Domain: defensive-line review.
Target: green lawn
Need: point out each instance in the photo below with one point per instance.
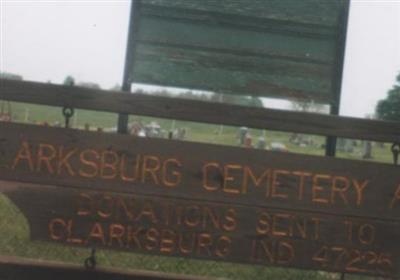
(14, 232)
(197, 132)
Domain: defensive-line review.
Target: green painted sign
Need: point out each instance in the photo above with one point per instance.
(271, 48)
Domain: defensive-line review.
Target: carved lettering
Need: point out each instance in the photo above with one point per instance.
(173, 178)
(46, 153)
(257, 181)
(71, 238)
(133, 237)
(63, 161)
(124, 167)
(117, 232)
(85, 205)
(360, 188)
(302, 181)
(57, 229)
(364, 233)
(24, 153)
(223, 246)
(108, 167)
(272, 252)
(204, 243)
(105, 206)
(215, 170)
(88, 159)
(340, 187)
(276, 183)
(278, 221)
(228, 178)
(151, 165)
(96, 234)
(167, 243)
(230, 222)
(317, 188)
(396, 198)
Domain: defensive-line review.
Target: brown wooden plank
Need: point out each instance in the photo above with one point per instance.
(179, 169)
(189, 110)
(209, 231)
(14, 268)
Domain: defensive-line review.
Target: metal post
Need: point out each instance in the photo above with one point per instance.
(129, 61)
(337, 79)
(396, 152)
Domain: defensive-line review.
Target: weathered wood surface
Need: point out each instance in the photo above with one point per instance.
(250, 48)
(312, 12)
(208, 230)
(207, 112)
(178, 169)
(13, 268)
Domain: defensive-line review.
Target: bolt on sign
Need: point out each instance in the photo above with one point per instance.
(203, 201)
(285, 49)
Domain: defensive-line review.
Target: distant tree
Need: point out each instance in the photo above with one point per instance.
(194, 96)
(309, 106)
(89, 85)
(237, 99)
(10, 76)
(69, 81)
(116, 87)
(255, 102)
(389, 108)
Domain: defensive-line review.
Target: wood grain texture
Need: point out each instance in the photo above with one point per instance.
(206, 112)
(319, 13)
(177, 66)
(208, 231)
(13, 268)
(204, 172)
(211, 29)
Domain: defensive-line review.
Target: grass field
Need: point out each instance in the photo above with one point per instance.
(14, 232)
(197, 132)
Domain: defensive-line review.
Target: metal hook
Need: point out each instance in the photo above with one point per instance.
(68, 112)
(90, 262)
(396, 152)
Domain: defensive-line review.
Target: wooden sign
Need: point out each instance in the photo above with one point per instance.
(121, 163)
(262, 47)
(203, 201)
(208, 230)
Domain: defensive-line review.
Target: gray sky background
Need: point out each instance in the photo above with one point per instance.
(47, 40)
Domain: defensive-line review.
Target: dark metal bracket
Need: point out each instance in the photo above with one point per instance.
(396, 152)
(90, 262)
(68, 112)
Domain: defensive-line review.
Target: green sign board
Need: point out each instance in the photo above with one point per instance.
(271, 48)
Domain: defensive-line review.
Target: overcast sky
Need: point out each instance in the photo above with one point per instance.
(47, 40)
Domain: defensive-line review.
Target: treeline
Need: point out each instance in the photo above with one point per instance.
(211, 97)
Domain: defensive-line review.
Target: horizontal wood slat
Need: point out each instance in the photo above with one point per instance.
(204, 230)
(205, 172)
(199, 111)
(14, 268)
